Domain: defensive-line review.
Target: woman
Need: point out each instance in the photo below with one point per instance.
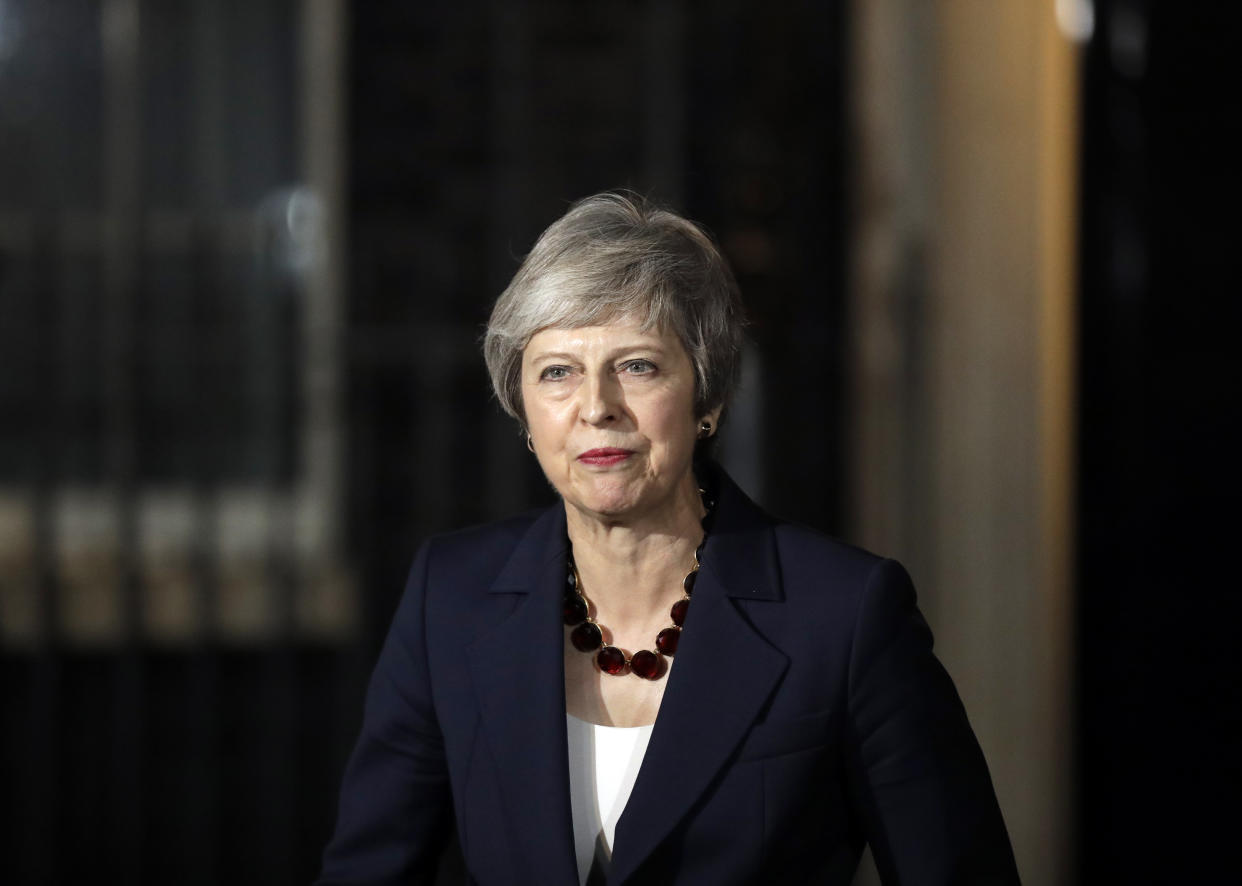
(653, 681)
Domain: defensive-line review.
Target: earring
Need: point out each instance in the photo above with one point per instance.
(530, 444)
(705, 429)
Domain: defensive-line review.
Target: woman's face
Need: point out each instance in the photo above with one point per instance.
(610, 411)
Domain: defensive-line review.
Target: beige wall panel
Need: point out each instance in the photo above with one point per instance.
(962, 390)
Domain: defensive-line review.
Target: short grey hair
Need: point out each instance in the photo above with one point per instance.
(616, 255)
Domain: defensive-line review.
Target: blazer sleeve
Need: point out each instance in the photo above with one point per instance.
(917, 773)
(395, 805)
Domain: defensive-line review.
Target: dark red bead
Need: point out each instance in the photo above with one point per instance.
(679, 612)
(611, 660)
(586, 637)
(666, 641)
(574, 610)
(687, 583)
(647, 664)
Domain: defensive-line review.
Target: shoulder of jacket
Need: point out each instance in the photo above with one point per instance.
(810, 558)
(469, 541)
(462, 563)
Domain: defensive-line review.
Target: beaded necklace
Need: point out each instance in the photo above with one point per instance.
(587, 636)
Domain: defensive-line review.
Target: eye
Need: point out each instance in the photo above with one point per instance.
(638, 367)
(554, 373)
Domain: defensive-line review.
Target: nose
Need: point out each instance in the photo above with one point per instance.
(601, 399)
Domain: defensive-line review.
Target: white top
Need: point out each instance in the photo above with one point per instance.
(603, 764)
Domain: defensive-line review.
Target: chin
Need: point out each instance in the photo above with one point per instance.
(609, 506)
(609, 502)
(614, 494)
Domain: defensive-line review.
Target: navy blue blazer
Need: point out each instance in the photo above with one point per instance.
(805, 716)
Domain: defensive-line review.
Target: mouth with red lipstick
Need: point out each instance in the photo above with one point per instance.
(605, 457)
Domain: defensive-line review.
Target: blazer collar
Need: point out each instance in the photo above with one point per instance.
(544, 543)
(741, 550)
(724, 674)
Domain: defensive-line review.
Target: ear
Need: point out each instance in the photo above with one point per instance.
(712, 418)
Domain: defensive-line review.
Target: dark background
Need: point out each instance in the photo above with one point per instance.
(1159, 700)
(471, 126)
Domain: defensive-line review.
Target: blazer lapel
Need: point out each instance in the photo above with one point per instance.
(517, 669)
(723, 676)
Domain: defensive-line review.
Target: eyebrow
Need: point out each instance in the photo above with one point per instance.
(565, 355)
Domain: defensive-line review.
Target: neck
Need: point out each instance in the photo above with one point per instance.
(632, 570)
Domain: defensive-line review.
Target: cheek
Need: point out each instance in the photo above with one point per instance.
(545, 423)
(676, 431)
